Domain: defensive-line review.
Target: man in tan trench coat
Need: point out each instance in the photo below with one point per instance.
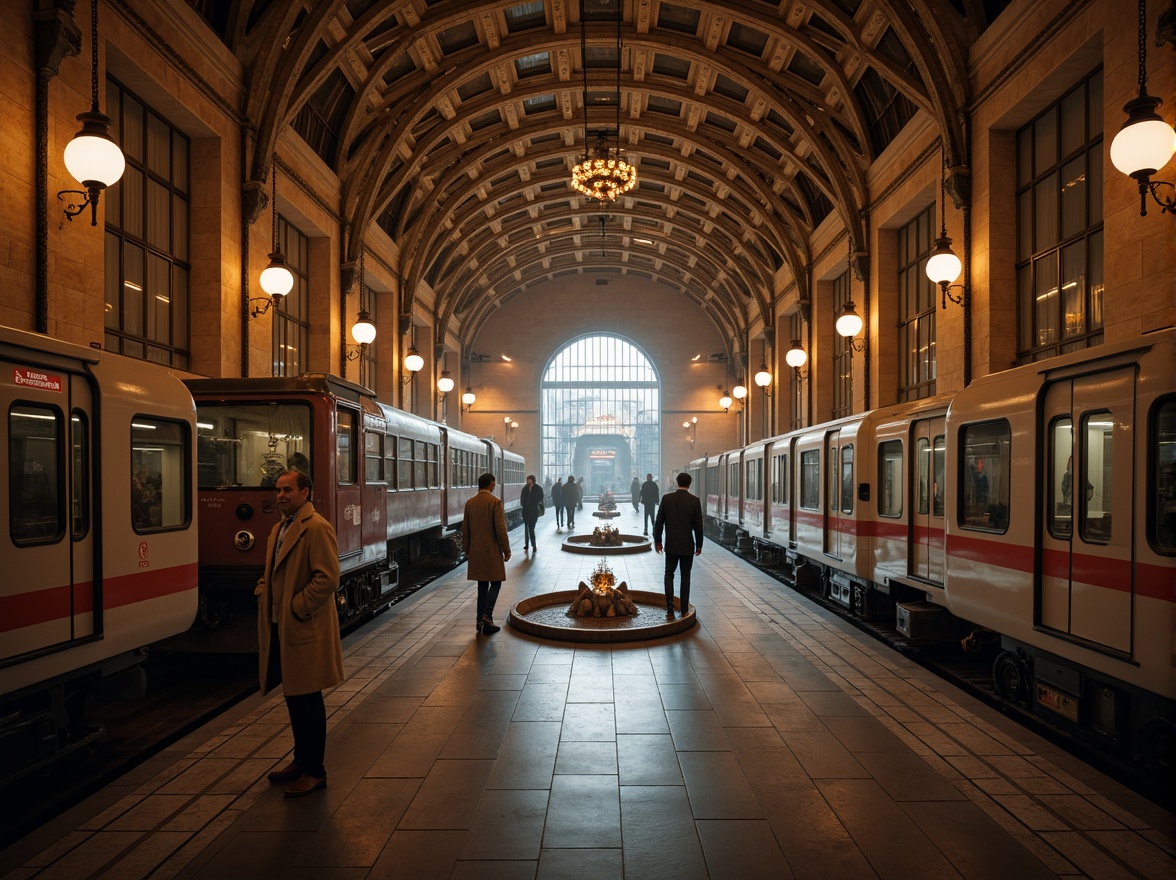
(487, 547)
(298, 627)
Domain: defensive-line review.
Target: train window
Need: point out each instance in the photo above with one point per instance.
(847, 479)
(390, 446)
(34, 474)
(1061, 466)
(1163, 481)
(810, 479)
(404, 468)
(159, 474)
(780, 479)
(250, 444)
(833, 473)
(984, 477)
(79, 443)
(345, 448)
(712, 479)
(373, 442)
(938, 465)
(1098, 473)
(923, 476)
(890, 478)
(434, 477)
(420, 465)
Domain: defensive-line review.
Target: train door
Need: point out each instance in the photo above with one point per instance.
(927, 527)
(1087, 584)
(51, 596)
(348, 503)
(837, 523)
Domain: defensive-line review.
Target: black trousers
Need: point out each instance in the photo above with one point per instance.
(686, 563)
(308, 717)
(529, 531)
(649, 519)
(559, 516)
(487, 596)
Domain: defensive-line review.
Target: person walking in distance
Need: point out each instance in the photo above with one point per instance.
(531, 501)
(635, 492)
(649, 496)
(557, 503)
(571, 500)
(298, 627)
(680, 517)
(487, 548)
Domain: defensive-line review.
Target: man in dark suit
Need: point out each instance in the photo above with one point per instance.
(680, 516)
(649, 494)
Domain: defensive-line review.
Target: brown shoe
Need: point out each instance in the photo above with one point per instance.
(306, 785)
(287, 774)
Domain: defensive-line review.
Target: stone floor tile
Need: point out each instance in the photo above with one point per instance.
(576, 864)
(386, 710)
(409, 755)
(696, 731)
(527, 757)
(591, 687)
(1137, 851)
(448, 796)
(717, 787)
(589, 722)
(150, 813)
(661, 841)
(641, 716)
(350, 836)
(647, 759)
(251, 854)
(1030, 813)
(863, 733)
(508, 825)
(586, 758)
(684, 696)
(742, 850)
(830, 703)
(541, 701)
(907, 777)
(821, 755)
(1079, 812)
(479, 732)
(433, 720)
(1088, 857)
(584, 811)
(894, 845)
(975, 845)
(418, 855)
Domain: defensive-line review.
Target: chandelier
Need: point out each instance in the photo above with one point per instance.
(603, 175)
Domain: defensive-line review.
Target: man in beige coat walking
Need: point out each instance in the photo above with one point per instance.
(487, 549)
(298, 627)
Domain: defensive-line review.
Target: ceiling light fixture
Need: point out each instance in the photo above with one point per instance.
(1145, 143)
(276, 279)
(943, 266)
(603, 175)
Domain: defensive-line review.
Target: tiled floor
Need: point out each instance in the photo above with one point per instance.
(771, 741)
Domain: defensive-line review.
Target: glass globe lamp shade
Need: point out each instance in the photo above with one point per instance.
(445, 383)
(849, 322)
(725, 401)
(363, 331)
(1144, 144)
(739, 392)
(413, 362)
(943, 266)
(276, 279)
(468, 398)
(92, 157)
(762, 377)
(796, 357)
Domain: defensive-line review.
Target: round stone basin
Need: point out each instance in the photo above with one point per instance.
(545, 615)
(630, 544)
(606, 514)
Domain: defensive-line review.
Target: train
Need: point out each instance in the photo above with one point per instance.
(1031, 514)
(139, 503)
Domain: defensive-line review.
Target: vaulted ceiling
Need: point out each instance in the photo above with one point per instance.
(454, 126)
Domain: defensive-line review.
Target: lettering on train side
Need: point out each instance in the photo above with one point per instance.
(35, 379)
(144, 551)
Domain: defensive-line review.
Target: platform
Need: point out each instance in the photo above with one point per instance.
(771, 740)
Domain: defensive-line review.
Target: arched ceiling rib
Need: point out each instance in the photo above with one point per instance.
(454, 124)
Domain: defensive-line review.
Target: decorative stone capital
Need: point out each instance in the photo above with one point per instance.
(254, 200)
(958, 183)
(57, 35)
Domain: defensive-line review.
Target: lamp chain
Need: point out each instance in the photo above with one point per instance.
(584, 68)
(94, 54)
(620, 10)
(274, 203)
(1142, 47)
(362, 284)
(943, 191)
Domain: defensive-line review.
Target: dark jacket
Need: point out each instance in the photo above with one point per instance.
(557, 493)
(571, 494)
(649, 492)
(680, 516)
(635, 490)
(529, 500)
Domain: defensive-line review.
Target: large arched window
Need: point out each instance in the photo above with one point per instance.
(600, 414)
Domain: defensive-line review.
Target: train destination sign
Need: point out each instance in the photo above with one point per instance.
(602, 453)
(36, 379)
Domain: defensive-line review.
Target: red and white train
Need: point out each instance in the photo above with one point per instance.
(1037, 507)
(137, 504)
(393, 484)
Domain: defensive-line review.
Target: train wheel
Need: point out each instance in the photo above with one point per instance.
(1011, 678)
(1155, 745)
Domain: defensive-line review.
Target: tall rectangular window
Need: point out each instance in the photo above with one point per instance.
(795, 383)
(842, 354)
(292, 313)
(916, 310)
(147, 264)
(368, 364)
(1060, 226)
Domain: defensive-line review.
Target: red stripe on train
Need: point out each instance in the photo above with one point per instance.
(52, 603)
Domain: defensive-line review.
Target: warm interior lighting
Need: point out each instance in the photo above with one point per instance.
(363, 331)
(725, 401)
(467, 399)
(796, 357)
(849, 322)
(739, 391)
(445, 383)
(944, 267)
(762, 377)
(413, 362)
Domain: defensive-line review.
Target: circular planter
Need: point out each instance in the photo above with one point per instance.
(582, 544)
(545, 616)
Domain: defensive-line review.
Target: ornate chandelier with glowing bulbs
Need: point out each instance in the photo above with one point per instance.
(604, 175)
